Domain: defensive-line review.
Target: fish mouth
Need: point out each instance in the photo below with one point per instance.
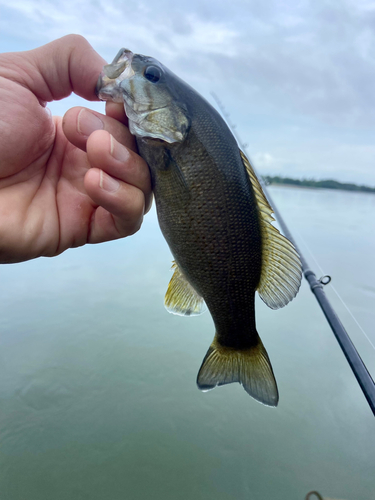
(108, 85)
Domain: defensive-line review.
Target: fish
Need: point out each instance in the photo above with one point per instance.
(213, 214)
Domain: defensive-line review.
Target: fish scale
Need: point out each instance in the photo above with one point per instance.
(214, 217)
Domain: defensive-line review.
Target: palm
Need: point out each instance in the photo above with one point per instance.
(42, 197)
(50, 195)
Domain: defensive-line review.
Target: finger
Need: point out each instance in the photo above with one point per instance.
(109, 155)
(57, 69)
(79, 123)
(116, 110)
(121, 206)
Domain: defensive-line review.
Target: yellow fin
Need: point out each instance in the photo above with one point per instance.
(281, 266)
(181, 298)
(250, 367)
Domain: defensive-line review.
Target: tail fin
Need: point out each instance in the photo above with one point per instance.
(250, 367)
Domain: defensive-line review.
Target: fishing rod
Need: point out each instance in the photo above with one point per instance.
(352, 356)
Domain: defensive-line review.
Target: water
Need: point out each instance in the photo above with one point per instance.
(97, 381)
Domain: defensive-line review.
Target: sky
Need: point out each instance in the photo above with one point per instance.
(296, 77)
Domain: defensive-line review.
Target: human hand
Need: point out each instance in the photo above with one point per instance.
(63, 182)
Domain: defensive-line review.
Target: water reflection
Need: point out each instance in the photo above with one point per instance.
(97, 381)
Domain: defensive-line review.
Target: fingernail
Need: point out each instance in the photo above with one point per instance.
(108, 183)
(118, 151)
(88, 122)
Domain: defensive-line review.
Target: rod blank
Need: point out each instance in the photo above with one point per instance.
(354, 359)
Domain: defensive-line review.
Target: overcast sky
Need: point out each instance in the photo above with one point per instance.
(297, 77)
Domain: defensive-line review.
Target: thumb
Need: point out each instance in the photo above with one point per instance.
(58, 68)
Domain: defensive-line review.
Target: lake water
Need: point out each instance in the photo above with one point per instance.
(97, 381)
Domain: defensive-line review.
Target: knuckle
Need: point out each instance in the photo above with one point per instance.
(132, 216)
(134, 227)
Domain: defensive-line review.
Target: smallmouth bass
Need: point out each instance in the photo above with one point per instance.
(214, 216)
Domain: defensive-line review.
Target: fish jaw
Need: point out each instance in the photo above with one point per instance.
(108, 87)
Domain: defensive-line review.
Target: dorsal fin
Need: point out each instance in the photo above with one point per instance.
(281, 266)
(181, 298)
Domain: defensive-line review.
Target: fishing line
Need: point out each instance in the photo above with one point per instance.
(351, 354)
(310, 252)
(334, 289)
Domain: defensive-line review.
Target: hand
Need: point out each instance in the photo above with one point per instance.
(63, 182)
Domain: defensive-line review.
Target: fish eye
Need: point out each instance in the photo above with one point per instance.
(152, 74)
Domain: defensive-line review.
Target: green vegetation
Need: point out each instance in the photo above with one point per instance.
(327, 184)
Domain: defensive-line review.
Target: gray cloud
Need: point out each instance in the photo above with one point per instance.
(292, 74)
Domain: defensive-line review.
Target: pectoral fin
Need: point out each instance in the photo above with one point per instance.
(171, 173)
(281, 272)
(181, 298)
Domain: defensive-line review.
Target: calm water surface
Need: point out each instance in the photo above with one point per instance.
(97, 381)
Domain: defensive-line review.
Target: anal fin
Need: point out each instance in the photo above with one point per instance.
(181, 298)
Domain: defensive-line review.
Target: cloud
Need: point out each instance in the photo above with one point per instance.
(314, 57)
(264, 160)
(276, 65)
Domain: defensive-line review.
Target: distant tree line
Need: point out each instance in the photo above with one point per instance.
(327, 184)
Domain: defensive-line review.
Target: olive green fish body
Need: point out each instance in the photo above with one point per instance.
(213, 215)
(208, 215)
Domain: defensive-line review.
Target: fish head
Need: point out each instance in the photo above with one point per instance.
(150, 93)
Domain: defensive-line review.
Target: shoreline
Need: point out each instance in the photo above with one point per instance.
(275, 184)
(335, 186)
